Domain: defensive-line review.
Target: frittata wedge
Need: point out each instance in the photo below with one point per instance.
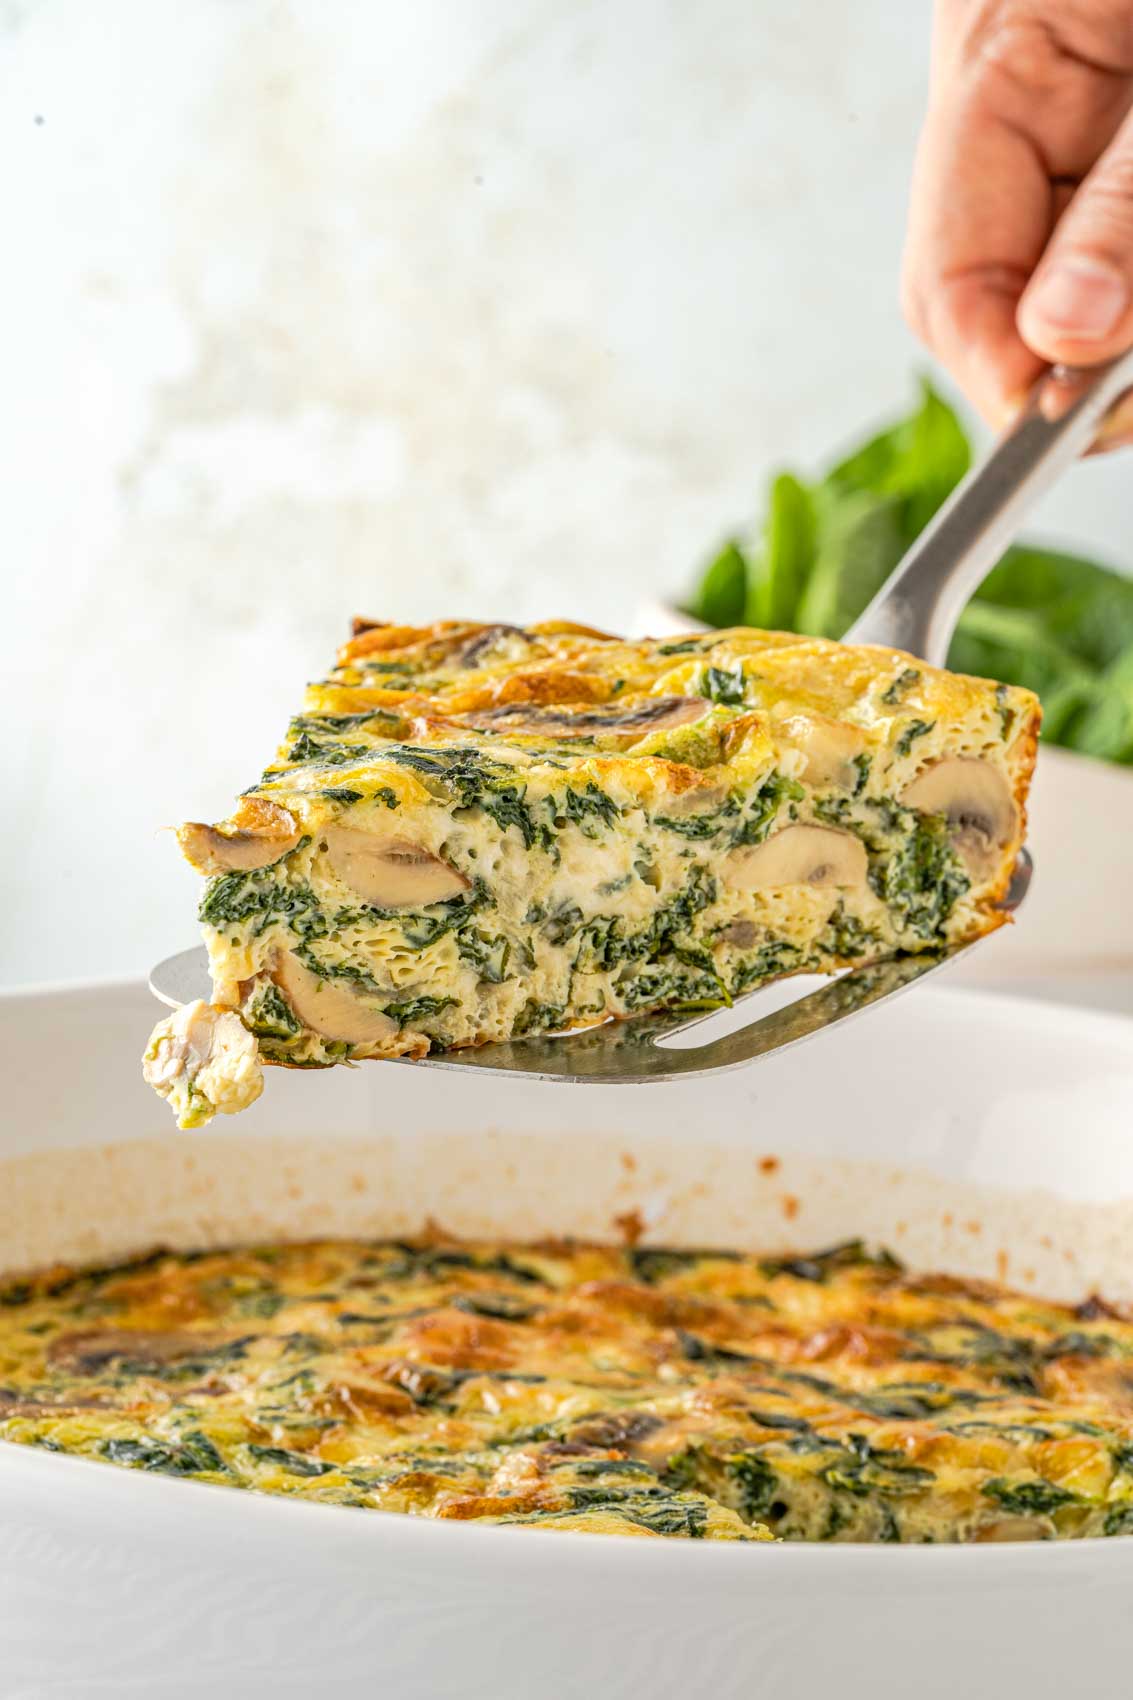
(474, 832)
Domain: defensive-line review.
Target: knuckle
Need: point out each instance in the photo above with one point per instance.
(1017, 53)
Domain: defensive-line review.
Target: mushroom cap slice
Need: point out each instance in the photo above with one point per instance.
(258, 834)
(391, 873)
(975, 798)
(799, 855)
(628, 721)
(328, 1008)
(830, 748)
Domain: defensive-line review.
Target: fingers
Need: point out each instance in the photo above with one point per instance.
(1078, 307)
(1025, 98)
(982, 212)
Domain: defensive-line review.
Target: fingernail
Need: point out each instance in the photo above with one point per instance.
(1079, 298)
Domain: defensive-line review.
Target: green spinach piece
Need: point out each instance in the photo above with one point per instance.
(905, 680)
(295, 1463)
(723, 685)
(1029, 1498)
(590, 809)
(194, 1454)
(922, 880)
(414, 1009)
(916, 729)
(270, 1016)
(232, 899)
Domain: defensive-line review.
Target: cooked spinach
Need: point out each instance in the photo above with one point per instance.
(379, 720)
(232, 899)
(189, 1457)
(905, 680)
(308, 751)
(475, 781)
(590, 809)
(768, 962)
(709, 824)
(846, 935)
(723, 685)
(1029, 1498)
(653, 1263)
(820, 1265)
(537, 1017)
(915, 729)
(295, 1463)
(270, 1016)
(762, 808)
(745, 821)
(490, 954)
(922, 880)
(415, 1009)
(861, 1469)
(756, 1483)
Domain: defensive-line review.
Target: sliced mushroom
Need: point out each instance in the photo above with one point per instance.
(656, 714)
(472, 651)
(258, 834)
(799, 855)
(741, 934)
(831, 749)
(391, 873)
(328, 1008)
(976, 800)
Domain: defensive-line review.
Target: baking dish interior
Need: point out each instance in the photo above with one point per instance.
(981, 1135)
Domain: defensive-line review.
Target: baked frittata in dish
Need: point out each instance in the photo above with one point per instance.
(478, 832)
(643, 1391)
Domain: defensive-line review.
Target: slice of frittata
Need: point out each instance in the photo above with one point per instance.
(474, 832)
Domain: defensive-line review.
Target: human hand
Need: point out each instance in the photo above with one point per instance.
(1020, 242)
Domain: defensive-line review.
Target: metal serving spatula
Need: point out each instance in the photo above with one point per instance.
(917, 611)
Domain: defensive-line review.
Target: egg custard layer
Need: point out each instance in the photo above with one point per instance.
(645, 1391)
(479, 832)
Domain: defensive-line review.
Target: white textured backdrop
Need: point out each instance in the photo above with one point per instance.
(458, 306)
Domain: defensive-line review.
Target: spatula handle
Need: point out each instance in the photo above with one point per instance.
(917, 609)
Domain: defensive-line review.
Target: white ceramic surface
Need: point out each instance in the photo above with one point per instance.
(963, 1130)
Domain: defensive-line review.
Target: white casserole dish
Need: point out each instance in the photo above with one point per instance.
(980, 1134)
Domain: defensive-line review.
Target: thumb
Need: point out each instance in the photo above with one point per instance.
(1078, 307)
